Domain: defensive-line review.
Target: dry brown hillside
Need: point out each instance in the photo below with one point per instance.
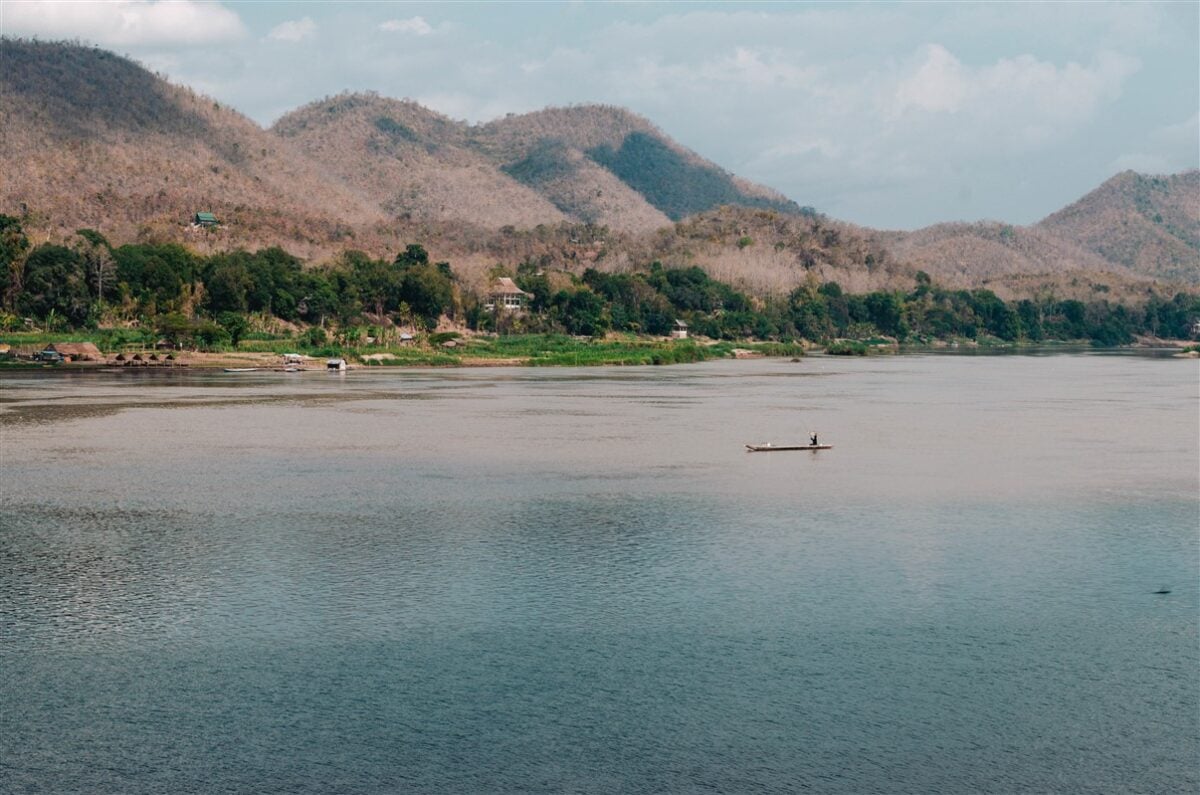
(1149, 224)
(411, 162)
(1132, 228)
(1014, 261)
(962, 252)
(93, 139)
(591, 164)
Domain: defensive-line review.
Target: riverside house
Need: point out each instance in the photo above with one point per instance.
(508, 295)
(680, 330)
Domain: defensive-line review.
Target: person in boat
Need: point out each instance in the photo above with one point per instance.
(813, 438)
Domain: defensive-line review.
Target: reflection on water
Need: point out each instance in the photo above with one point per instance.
(500, 580)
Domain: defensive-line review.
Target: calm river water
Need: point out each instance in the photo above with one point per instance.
(521, 580)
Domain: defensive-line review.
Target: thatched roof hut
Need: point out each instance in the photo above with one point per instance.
(76, 351)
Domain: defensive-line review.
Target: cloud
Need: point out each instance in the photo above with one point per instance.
(126, 23)
(939, 83)
(294, 30)
(1023, 86)
(1167, 149)
(416, 25)
(1183, 135)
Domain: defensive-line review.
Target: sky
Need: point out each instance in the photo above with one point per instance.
(891, 115)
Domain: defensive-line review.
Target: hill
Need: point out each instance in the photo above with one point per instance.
(412, 163)
(104, 143)
(98, 141)
(1148, 224)
(572, 154)
(588, 164)
(1133, 228)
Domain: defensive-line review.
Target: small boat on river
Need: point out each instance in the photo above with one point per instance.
(770, 448)
(241, 369)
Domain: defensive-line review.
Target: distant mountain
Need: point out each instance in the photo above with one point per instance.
(1134, 226)
(590, 164)
(411, 162)
(989, 249)
(106, 143)
(1149, 224)
(94, 140)
(572, 155)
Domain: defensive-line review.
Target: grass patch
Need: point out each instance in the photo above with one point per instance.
(415, 358)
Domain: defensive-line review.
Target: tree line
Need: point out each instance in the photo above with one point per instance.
(88, 283)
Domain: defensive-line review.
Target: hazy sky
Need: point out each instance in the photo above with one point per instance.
(892, 115)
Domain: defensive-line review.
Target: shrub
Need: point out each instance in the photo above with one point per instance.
(315, 337)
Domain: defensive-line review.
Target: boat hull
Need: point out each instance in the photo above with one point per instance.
(771, 448)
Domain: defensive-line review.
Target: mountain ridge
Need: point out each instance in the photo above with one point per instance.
(104, 143)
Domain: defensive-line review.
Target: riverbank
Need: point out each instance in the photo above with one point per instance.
(454, 350)
(436, 351)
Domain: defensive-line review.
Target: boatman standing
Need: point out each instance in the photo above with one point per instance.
(814, 439)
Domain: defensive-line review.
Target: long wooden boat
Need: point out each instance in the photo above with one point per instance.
(241, 369)
(770, 448)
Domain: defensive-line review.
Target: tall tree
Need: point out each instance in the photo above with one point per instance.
(98, 260)
(14, 246)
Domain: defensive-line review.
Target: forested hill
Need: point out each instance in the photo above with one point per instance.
(95, 141)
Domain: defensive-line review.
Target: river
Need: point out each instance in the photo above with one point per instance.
(553, 580)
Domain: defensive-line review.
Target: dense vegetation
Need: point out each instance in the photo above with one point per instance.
(216, 300)
(673, 184)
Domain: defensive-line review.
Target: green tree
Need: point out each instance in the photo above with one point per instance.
(175, 328)
(377, 281)
(412, 256)
(583, 313)
(227, 288)
(235, 326)
(154, 275)
(54, 280)
(14, 246)
(98, 261)
(884, 310)
(428, 291)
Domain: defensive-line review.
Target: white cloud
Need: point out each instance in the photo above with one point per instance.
(125, 23)
(416, 25)
(1022, 88)
(294, 30)
(939, 83)
(1173, 147)
(1185, 135)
